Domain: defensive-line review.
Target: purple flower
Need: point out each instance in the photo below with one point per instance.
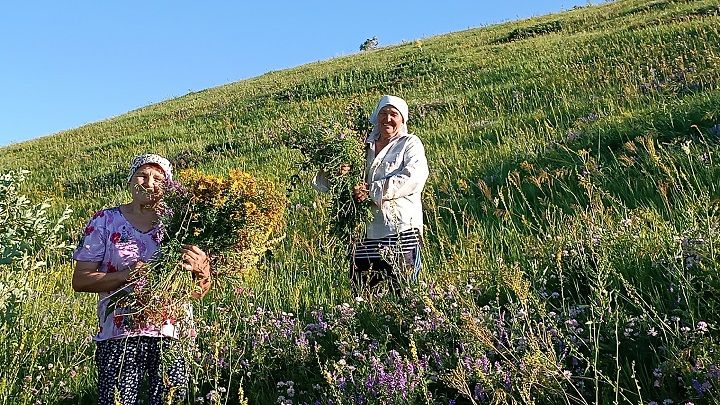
(479, 393)
(715, 130)
(701, 389)
(590, 118)
(485, 364)
(573, 134)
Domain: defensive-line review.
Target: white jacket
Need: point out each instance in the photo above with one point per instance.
(396, 177)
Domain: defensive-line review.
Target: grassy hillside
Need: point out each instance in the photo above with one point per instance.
(571, 221)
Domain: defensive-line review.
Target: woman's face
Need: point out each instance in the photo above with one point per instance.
(147, 184)
(389, 120)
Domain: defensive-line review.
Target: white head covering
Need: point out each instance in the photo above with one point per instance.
(150, 158)
(396, 102)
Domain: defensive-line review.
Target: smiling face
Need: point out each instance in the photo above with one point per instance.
(147, 184)
(389, 121)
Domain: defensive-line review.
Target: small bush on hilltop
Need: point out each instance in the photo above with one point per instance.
(369, 44)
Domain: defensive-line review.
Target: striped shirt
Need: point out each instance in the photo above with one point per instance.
(402, 243)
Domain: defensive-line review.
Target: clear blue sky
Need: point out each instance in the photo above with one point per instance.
(67, 63)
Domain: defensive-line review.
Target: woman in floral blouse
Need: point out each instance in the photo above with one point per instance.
(116, 244)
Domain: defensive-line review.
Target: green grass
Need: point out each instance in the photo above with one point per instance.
(544, 137)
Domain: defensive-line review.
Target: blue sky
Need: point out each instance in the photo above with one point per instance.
(67, 63)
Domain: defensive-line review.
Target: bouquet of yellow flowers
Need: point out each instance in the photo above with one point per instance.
(231, 218)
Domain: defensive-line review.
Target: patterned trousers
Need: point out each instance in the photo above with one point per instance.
(123, 365)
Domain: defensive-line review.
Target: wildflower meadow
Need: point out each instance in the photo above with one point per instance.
(572, 216)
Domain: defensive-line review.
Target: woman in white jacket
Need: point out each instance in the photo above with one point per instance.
(396, 171)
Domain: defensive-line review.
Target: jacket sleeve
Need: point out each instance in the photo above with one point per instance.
(321, 182)
(410, 179)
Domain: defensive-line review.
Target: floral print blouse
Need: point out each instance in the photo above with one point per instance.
(110, 239)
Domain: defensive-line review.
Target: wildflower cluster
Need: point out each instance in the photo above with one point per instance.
(337, 155)
(433, 344)
(230, 217)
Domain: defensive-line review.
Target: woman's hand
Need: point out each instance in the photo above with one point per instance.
(138, 270)
(360, 192)
(196, 261)
(344, 169)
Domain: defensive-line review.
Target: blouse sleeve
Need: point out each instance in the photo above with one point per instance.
(92, 243)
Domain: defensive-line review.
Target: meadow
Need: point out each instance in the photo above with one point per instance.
(571, 217)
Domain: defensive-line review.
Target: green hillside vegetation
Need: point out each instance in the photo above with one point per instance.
(571, 224)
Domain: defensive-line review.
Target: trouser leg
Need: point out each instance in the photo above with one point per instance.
(120, 371)
(167, 373)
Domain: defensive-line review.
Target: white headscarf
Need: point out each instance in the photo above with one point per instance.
(396, 102)
(148, 159)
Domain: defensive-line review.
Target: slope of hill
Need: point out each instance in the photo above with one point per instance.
(573, 189)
